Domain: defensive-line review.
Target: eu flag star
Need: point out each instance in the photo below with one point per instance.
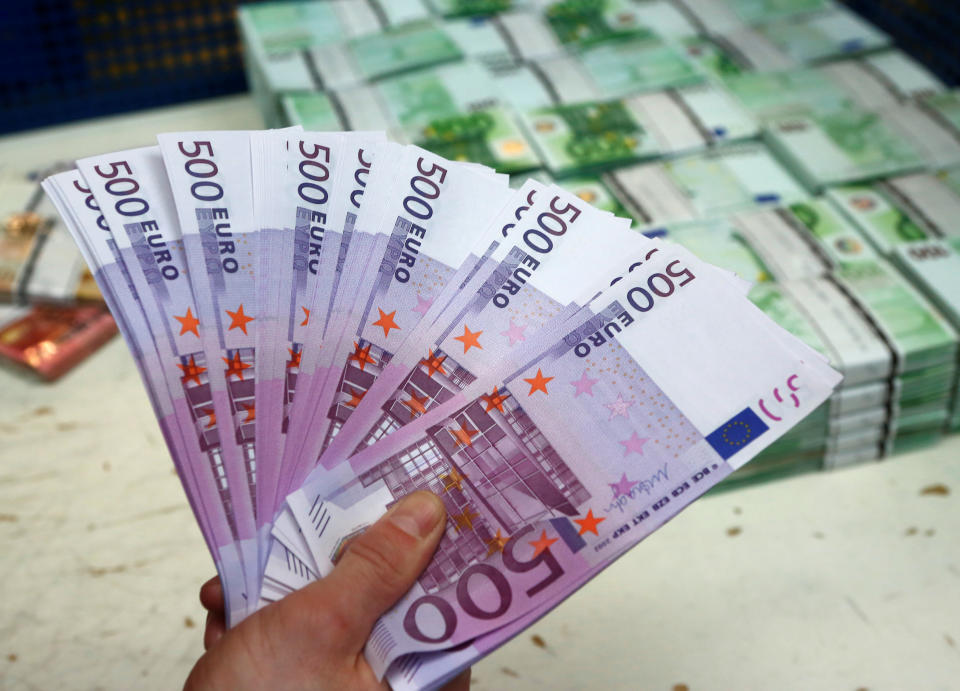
(188, 323)
(470, 339)
(235, 365)
(542, 544)
(589, 523)
(584, 385)
(634, 444)
(623, 486)
(464, 521)
(238, 320)
(538, 383)
(495, 400)
(191, 371)
(619, 407)
(423, 305)
(355, 397)
(453, 479)
(515, 333)
(361, 356)
(294, 360)
(497, 543)
(464, 435)
(251, 409)
(434, 364)
(211, 414)
(306, 317)
(386, 322)
(416, 404)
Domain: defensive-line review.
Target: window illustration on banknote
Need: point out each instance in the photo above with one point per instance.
(435, 380)
(494, 470)
(196, 388)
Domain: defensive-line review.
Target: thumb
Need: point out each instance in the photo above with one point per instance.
(382, 564)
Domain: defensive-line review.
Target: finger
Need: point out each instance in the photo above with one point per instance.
(461, 682)
(211, 595)
(216, 626)
(378, 568)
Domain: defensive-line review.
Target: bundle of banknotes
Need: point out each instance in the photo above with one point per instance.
(326, 322)
(845, 272)
(678, 112)
(49, 339)
(512, 84)
(38, 260)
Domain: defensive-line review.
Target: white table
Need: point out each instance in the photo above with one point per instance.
(839, 580)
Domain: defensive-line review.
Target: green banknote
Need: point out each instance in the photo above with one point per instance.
(417, 98)
(279, 27)
(474, 8)
(337, 64)
(945, 106)
(884, 216)
(420, 97)
(934, 267)
(665, 19)
(616, 70)
(715, 57)
(920, 335)
(591, 189)
(488, 135)
(584, 23)
(719, 242)
(763, 11)
(459, 112)
(558, 28)
(628, 67)
(311, 110)
(903, 209)
(704, 185)
(585, 136)
(823, 35)
(771, 95)
(297, 46)
(714, 17)
(452, 110)
(882, 80)
(600, 134)
(844, 146)
(407, 48)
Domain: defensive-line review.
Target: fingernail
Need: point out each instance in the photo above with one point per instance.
(417, 514)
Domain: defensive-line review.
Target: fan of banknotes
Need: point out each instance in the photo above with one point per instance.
(325, 322)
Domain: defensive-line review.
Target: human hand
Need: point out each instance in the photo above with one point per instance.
(314, 638)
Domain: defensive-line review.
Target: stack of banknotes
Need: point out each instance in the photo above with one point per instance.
(625, 80)
(39, 262)
(325, 322)
(710, 113)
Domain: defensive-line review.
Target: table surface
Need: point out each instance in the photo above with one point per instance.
(842, 580)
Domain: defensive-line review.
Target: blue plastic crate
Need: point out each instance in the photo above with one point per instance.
(926, 29)
(70, 59)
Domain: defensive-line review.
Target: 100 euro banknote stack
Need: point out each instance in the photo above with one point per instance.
(326, 322)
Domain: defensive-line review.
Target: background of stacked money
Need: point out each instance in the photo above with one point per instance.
(787, 140)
